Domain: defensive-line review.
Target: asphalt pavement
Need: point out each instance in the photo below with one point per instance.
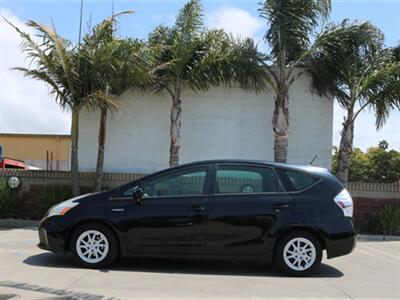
(26, 272)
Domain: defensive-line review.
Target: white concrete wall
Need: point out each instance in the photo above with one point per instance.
(57, 165)
(221, 123)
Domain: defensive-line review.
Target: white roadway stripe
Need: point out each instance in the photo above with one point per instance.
(375, 256)
(24, 251)
(379, 251)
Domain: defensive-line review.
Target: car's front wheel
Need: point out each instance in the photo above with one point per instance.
(94, 245)
(298, 253)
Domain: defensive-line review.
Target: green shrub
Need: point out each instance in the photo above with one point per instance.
(377, 164)
(10, 201)
(50, 195)
(386, 220)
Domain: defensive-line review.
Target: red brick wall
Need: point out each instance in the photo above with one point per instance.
(364, 208)
(31, 203)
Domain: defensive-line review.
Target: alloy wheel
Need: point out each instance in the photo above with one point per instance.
(299, 254)
(92, 246)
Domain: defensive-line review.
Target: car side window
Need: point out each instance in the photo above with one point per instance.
(189, 182)
(300, 180)
(231, 179)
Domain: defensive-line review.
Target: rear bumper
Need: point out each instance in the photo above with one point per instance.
(52, 235)
(338, 244)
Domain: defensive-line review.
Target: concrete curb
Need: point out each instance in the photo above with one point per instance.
(377, 237)
(16, 223)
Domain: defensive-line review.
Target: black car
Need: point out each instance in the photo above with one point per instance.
(226, 209)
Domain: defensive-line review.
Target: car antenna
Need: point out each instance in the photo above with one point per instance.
(315, 157)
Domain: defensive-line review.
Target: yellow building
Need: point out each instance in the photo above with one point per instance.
(43, 151)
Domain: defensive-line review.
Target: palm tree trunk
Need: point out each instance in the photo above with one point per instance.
(175, 130)
(74, 152)
(280, 119)
(345, 148)
(100, 152)
(280, 123)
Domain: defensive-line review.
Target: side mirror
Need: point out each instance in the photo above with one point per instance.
(138, 194)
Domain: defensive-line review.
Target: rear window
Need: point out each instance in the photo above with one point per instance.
(300, 180)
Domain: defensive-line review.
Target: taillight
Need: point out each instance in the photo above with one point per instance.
(345, 202)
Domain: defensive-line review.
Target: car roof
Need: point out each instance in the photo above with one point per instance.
(322, 172)
(299, 167)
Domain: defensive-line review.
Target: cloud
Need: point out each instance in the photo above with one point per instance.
(365, 133)
(25, 104)
(237, 21)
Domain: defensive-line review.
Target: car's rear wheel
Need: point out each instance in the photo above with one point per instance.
(94, 245)
(298, 253)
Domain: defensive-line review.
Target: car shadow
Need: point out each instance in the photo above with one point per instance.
(181, 266)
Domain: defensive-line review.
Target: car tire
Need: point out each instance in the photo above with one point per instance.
(94, 246)
(298, 253)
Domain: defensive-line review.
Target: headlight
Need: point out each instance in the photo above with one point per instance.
(62, 208)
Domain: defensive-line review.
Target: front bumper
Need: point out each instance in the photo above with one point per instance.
(52, 234)
(43, 240)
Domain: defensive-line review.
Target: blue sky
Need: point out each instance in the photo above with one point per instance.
(238, 17)
(148, 14)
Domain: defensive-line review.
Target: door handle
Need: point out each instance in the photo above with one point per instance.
(197, 209)
(184, 224)
(281, 206)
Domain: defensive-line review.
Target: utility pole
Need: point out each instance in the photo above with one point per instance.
(80, 25)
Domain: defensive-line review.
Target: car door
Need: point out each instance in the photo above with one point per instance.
(170, 219)
(247, 203)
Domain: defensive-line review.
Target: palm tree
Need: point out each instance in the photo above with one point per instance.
(294, 46)
(188, 56)
(291, 24)
(367, 77)
(120, 65)
(65, 69)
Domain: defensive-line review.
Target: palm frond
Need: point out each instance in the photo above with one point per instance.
(115, 64)
(348, 60)
(100, 99)
(105, 30)
(381, 90)
(160, 36)
(291, 22)
(208, 58)
(64, 58)
(52, 61)
(34, 50)
(229, 61)
(335, 55)
(190, 19)
(57, 90)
